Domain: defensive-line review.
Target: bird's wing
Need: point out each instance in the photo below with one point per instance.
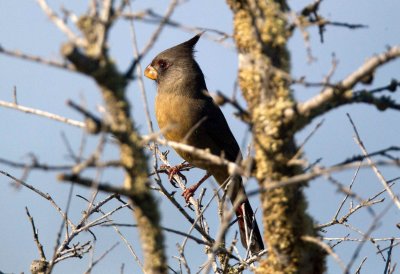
(219, 133)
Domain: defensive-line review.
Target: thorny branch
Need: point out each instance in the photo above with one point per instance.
(82, 59)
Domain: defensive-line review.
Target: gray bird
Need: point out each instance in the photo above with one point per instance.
(186, 113)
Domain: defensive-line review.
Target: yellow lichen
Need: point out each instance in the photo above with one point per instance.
(261, 36)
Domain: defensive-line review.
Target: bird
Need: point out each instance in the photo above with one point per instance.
(186, 113)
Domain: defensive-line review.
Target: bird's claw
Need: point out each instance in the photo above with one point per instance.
(188, 193)
(175, 170)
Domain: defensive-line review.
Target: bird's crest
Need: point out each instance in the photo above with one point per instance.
(189, 44)
(186, 48)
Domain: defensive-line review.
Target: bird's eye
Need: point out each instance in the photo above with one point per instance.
(162, 64)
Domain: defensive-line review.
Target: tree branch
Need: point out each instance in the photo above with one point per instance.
(97, 64)
(36, 59)
(42, 113)
(61, 24)
(385, 184)
(341, 93)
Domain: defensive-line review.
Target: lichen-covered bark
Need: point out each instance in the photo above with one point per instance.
(261, 36)
(96, 63)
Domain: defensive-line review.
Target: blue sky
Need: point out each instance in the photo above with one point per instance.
(24, 26)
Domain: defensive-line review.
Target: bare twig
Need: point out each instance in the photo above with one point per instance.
(347, 195)
(61, 24)
(40, 193)
(115, 227)
(389, 258)
(327, 249)
(381, 152)
(366, 236)
(152, 40)
(370, 239)
(103, 28)
(139, 72)
(42, 113)
(373, 166)
(36, 236)
(177, 232)
(165, 18)
(298, 22)
(91, 183)
(15, 95)
(315, 173)
(182, 186)
(220, 99)
(309, 16)
(300, 150)
(245, 263)
(102, 256)
(156, 18)
(36, 59)
(233, 168)
(358, 271)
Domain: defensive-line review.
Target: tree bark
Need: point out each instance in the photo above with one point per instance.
(94, 62)
(261, 35)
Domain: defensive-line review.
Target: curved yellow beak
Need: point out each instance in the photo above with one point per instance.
(151, 72)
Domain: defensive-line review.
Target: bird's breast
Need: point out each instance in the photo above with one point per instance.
(176, 116)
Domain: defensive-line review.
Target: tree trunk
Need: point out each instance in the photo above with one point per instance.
(261, 35)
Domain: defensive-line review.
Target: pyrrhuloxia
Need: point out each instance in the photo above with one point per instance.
(187, 113)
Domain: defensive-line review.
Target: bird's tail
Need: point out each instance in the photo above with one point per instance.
(249, 232)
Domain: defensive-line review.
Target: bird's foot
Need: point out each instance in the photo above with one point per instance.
(189, 192)
(175, 170)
